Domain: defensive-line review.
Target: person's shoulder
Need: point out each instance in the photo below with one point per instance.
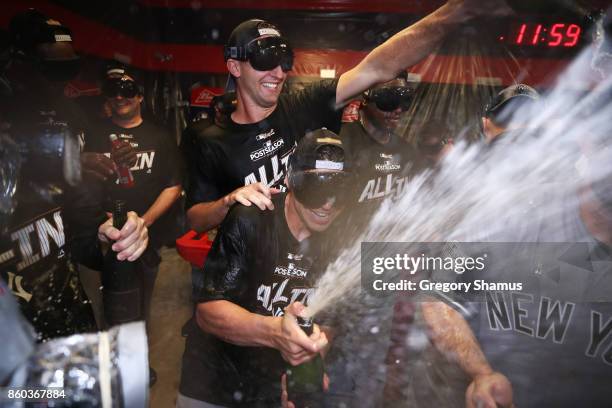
(355, 136)
(199, 126)
(245, 219)
(209, 136)
(214, 131)
(151, 127)
(254, 213)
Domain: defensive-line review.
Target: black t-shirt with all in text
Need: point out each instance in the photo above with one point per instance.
(256, 263)
(234, 155)
(37, 250)
(380, 171)
(381, 168)
(157, 167)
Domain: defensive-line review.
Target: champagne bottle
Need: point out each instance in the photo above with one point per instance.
(305, 382)
(124, 174)
(121, 286)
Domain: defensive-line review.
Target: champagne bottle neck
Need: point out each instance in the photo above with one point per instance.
(119, 214)
(306, 324)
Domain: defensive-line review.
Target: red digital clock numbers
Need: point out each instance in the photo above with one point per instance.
(555, 35)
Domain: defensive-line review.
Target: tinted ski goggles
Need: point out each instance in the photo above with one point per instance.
(389, 99)
(123, 87)
(264, 54)
(315, 188)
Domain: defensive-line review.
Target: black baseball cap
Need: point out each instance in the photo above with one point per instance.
(244, 34)
(515, 95)
(316, 176)
(31, 28)
(118, 70)
(305, 156)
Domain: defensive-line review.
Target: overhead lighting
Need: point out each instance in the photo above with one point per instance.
(328, 73)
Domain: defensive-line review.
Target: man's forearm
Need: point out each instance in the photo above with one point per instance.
(237, 325)
(161, 204)
(414, 43)
(401, 51)
(453, 337)
(203, 217)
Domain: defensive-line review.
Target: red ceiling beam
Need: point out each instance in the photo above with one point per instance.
(367, 6)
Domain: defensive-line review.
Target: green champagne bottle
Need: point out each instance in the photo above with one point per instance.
(305, 382)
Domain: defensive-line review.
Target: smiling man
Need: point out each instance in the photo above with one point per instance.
(245, 159)
(153, 161)
(261, 264)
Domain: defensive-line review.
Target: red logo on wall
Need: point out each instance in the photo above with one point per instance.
(76, 88)
(202, 96)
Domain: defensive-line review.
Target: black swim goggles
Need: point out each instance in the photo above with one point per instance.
(314, 189)
(123, 87)
(389, 99)
(264, 54)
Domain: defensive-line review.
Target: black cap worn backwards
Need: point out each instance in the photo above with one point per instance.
(307, 153)
(31, 28)
(515, 94)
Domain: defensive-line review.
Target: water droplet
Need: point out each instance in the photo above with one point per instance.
(238, 396)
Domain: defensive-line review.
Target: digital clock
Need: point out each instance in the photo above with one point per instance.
(534, 34)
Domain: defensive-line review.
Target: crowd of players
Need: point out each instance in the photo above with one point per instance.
(287, 184)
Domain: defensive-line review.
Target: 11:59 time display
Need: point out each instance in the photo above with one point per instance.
(557, 34)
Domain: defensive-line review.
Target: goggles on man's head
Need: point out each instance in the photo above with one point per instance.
(264, 54)
(123, 87)
(388, 99)
(313, 189)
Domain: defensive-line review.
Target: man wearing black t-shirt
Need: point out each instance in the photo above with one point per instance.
(260, 265)
(156, 171)
(380, 155)
(38, 227)
(245, 160)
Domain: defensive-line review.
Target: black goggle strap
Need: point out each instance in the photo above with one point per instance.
(242, 53)
(237, 53)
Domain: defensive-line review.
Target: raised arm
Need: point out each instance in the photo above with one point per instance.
(411, 45)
